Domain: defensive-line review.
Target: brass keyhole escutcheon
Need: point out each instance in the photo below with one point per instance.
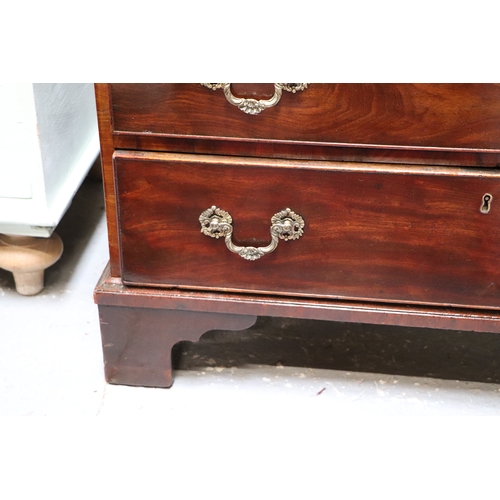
(486, 204)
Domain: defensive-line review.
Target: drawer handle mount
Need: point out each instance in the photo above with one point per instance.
(254, 106)
(285, 225)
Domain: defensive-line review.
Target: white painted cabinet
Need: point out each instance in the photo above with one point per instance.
(48, 142)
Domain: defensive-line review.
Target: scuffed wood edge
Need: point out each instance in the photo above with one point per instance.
(103, 103)
(111, 291)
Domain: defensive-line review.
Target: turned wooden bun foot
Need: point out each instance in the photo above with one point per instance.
(27, 257)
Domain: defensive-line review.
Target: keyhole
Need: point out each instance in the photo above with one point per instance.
(486, 205)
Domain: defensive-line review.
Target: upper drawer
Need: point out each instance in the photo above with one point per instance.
(442, 123)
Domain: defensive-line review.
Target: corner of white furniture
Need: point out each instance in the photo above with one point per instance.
(48, 143)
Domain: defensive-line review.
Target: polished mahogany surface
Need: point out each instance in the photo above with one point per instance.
(112, 292)
(391, 180)
(416, 124)
(373, 232)
(443, 117)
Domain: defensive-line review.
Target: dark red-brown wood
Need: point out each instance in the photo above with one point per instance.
(137, 342)
(377, 233)
(139, 326)
(111, 292)
(460, 121)
(480, 104)
(262, 149)
(104, 119)
(388, 244)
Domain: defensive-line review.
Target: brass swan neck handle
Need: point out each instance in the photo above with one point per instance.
(255, 106)
(285, 225)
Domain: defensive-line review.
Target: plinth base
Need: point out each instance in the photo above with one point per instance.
(139, 325)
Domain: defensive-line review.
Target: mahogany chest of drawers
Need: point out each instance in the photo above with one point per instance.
(370, 203)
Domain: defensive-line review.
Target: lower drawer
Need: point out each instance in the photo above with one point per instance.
(386, 233)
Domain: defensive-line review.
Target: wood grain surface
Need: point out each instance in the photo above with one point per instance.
(104, 119)
(150, 117)
(374, 233)
(112, 292)
(391, 238)
(416, 116)
(137, 342)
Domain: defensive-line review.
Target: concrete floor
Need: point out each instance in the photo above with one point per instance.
(51, 362)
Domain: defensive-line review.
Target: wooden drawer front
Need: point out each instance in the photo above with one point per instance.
(379, 233)
(444, 117)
